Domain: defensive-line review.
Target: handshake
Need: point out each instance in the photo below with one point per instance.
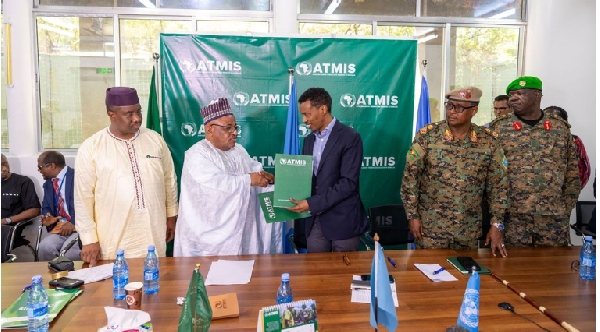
(261, 179)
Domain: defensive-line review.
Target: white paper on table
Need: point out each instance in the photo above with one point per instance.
(363, 294)
(428, 270)
(93, 274)
(224, 272)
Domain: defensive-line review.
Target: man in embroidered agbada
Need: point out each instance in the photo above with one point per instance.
(543, 173)
(125, 185)
(219, 211)
(449, 166)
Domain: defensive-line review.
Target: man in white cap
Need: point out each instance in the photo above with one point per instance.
(125, 185)
(219, 212)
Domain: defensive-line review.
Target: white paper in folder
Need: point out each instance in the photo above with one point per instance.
(224, 272)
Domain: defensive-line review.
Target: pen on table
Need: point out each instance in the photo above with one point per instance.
(438, 270)
(392, 262)
(346, 259)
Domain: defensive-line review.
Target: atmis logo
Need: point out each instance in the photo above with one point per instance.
(242, 98)
(292, 162)
(210, 66)
(326, 68)
(374, 101)
(190, 129)
(384, 162)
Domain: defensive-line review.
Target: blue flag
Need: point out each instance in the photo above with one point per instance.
(291, 146)
(423, 113)
(382, 290)
(469, 310)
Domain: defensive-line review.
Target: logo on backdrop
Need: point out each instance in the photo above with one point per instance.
(242, 98)
(387, 162)
(326, 68)
(192, 66)
(373, 101)
(266, 161)
(190, 129)
(347, 100)
(303, 130)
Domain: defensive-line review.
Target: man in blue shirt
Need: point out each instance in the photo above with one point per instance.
(337, 217)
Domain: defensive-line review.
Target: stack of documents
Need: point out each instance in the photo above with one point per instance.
(361, 291)
(224, 272)
(430, 269)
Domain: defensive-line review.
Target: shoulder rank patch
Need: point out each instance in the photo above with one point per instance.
(473, 136)
(448, 135)
(547, 125)
(487, 130)
(429, 126)
(423, 130)
(517, 125)
(494, 134)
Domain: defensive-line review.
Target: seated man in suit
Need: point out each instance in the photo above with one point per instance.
(58, 211)
(19, 200)
(338, 215)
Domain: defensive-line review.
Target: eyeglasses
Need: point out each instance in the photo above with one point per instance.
(457, 108)
(229, 129)
(44, 165)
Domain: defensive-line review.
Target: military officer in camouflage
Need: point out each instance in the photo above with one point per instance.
(449, 166)
(543, 173)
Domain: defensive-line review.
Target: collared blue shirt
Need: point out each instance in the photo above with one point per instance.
(321, 139)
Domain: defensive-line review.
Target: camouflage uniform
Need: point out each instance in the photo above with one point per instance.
(543, 179)
(444, 181)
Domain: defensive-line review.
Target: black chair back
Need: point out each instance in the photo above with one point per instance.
(391, 224)
(7, 232)
(584, 211)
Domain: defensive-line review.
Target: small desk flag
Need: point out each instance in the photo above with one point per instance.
(381, 293)
(469, 310)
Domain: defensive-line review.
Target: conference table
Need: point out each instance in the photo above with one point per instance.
(543, 274)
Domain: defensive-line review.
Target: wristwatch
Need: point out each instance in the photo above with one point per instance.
(8, 220)
(498, 225)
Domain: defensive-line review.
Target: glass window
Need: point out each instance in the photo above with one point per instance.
(139, 40)
(359, 7)
(336, 28)
(4, 115)
(76, 66)
(485, 58)
(260, 5)
(496, 9)
(232, 26)
(430, 48)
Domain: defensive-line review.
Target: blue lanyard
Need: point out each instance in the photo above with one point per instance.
(57, 195)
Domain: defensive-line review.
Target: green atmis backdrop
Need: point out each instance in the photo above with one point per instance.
(371, 82)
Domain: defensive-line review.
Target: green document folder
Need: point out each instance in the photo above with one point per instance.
(15, 316)
(461, 269)
(275, 214)
(293, 179)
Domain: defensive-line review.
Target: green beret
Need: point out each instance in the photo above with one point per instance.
(524, 82)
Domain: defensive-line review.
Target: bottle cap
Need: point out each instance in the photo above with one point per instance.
(37, 278)
(120, 252)
(151, 247)
(589, 238)
(285, 277)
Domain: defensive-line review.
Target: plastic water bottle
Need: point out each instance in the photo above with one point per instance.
(120, 276)
(284, 292)
(37, 306)
(151, 275)
(587, 266)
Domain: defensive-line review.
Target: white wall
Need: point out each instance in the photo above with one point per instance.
(561, 51)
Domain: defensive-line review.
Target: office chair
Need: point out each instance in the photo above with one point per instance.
(391, 224)
(9, 234)
(584, 211)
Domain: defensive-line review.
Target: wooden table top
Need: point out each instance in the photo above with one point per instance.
(544, 274)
